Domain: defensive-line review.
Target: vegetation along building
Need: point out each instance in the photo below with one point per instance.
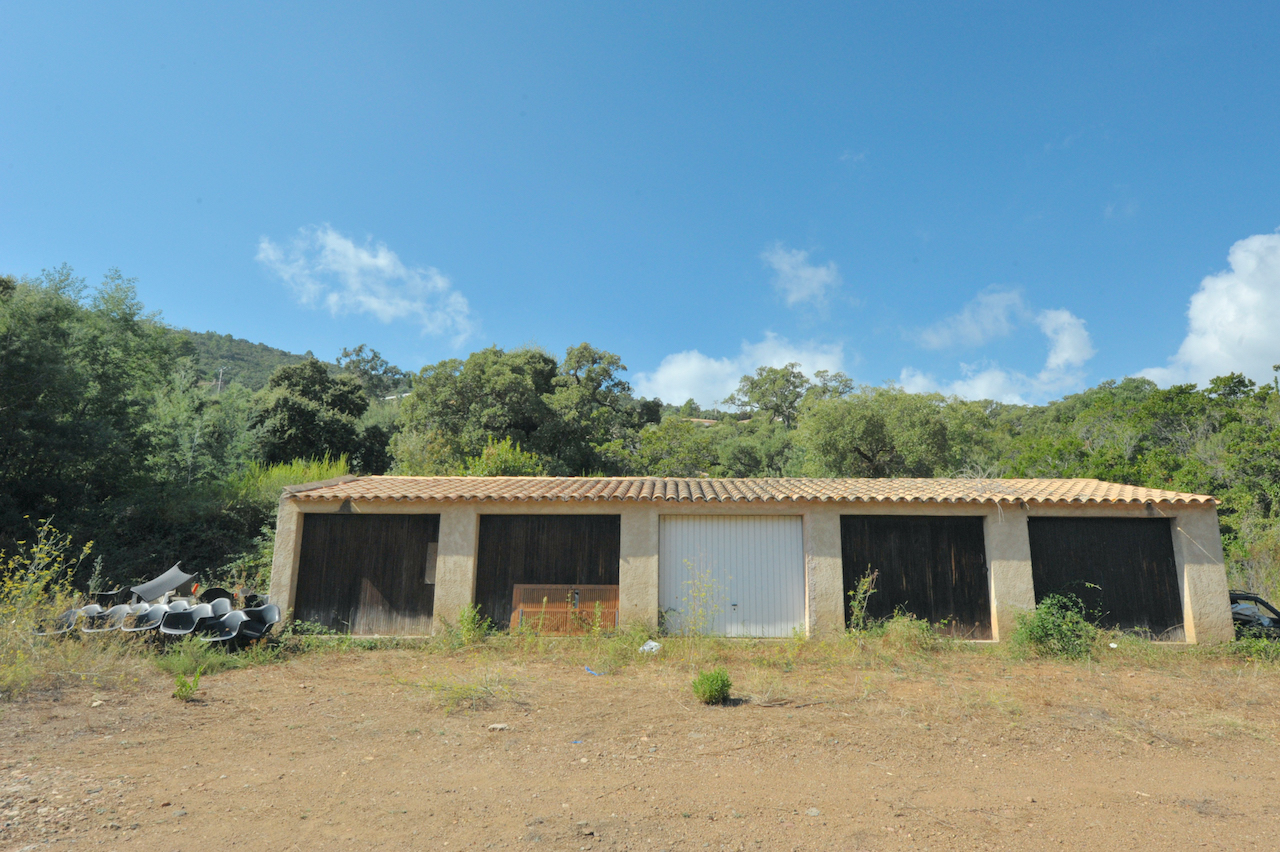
(747, 557)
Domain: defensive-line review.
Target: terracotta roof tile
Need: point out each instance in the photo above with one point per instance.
(577, 489)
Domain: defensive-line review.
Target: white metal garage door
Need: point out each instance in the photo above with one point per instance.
(733, 576)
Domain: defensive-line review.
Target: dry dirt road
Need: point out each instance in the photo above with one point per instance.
(349, 751)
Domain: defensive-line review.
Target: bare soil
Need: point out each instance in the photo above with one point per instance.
(355, 751)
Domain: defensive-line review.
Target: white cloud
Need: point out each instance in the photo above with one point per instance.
(325, 268)
(1232, 319)
(1070, 344)
(992, 313)
(1070, 348)
(709, 380)
(797, 279)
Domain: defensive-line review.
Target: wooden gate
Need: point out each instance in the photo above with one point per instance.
(1123, 569)
(368, 574)
(933, 567)
(558, 550)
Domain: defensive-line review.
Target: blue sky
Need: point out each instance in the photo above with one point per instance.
(998, 200)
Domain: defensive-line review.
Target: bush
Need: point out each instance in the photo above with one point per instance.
(713, 687)
(1057, 627)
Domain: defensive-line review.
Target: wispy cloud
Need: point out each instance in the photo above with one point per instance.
(326, 269)
(692, 375)
(1070, 348)
(796, 278)
(992, 313)
(1232, 319)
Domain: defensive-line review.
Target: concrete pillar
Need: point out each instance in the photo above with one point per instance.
(1009, 565)
(638, 565)
(1197, 549)
(824, 572)
(284, 559)
(456, 563)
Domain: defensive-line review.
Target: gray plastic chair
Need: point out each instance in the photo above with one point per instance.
(182, 622)
(112, 619)
(225, 629)
(61, 625)
(153, 590)
(220, 606)
(148, 619)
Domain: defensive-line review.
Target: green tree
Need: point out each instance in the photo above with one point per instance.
(877, 432)
(578, 414)
(378, 378)
(676, 447)
(773, 391)
(304, 413)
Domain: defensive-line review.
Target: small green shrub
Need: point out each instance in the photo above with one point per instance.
(185, 689)
(713, 687)
(1057, 627)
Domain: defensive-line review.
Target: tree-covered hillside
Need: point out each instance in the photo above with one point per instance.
(238, 360)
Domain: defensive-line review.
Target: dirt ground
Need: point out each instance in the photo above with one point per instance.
(351, 751)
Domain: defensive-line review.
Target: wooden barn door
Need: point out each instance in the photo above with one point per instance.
(934, 568)
(543, 550)
(1123, 569)
(368, 574)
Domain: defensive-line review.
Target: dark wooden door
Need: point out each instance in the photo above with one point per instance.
(1123, 569)
(545, 550)
(367, 574)
(934, 568)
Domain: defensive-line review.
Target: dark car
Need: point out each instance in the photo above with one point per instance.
(1254, 616)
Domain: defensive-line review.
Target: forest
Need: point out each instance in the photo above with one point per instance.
(154, 444)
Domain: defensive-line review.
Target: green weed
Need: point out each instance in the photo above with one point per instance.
(184, 689)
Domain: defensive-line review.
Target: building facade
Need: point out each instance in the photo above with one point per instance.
(751, 557)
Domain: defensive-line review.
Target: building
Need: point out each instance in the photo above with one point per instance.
(751, 557)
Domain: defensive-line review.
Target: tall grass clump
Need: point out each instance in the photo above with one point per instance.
(35, 589)
(1057, 627)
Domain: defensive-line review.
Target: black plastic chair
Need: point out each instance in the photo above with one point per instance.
(109, 599)
(258, 622)
(216, 593)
